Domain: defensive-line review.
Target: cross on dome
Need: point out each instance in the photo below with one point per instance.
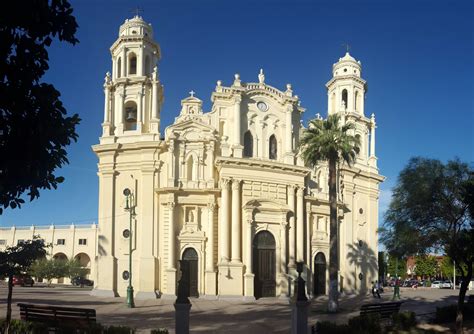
(192, 93)
(137, 11)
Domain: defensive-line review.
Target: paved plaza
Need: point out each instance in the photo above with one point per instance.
(269, 315)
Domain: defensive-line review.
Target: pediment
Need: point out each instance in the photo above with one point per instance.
(190, 130)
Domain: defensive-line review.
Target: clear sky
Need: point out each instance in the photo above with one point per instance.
(417, 58)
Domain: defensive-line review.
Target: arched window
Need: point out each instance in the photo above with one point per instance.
(361, 144)
(344, 98)
(248, 144)
(355, 100)
(119, 67)
(273, 149)
(133, 64)
(130, 116)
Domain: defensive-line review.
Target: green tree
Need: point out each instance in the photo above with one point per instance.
(382, 263)
(425, 265)
(431, 210)
(49, 269)
(397, 266)
(16, 260)
(74, 269)
(327, 140)
(34, 126)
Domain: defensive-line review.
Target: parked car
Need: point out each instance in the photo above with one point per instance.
(80, 281)
(436, 284)
(447, 285)
(23, 280)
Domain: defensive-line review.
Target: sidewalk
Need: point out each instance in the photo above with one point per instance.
(267, 315)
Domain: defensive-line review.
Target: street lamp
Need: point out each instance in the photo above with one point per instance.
(131, 209)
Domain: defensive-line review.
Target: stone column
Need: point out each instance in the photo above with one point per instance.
(124, 62)
(288, 130)
(210, 237)
(372, 136)
(236, 223)
(291, 231)
(171, 171)
(140, 62)
(139, 110)
(299, 224)
(224, 237)
(171, 236)
(249, 275)
(106, 103)
(237, 134)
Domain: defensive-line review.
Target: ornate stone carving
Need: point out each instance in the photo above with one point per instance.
(225, 183)
(236, 184)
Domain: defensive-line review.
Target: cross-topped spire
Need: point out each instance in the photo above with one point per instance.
(192, 93)
(347, 46)
(137, 11)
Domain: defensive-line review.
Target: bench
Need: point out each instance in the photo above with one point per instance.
(55, 316)
(385, 310)
(470, 300)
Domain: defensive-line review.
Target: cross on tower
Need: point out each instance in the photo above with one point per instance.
(137, 11)
(192, 93)
(347, 46)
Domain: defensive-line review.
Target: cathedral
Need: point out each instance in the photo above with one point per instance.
(225, 190)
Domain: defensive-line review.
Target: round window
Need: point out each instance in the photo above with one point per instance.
(126, 233)
(126, 275)
(361, 211)
(262, 106)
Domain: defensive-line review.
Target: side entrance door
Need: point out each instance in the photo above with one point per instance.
(191, 257)
(264, 265)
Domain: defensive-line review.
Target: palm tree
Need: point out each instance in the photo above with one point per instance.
(326, 140)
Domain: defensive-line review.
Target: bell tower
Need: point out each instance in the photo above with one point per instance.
(346, 95)
(133, 92)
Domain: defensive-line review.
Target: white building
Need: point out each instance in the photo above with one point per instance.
(226, 190)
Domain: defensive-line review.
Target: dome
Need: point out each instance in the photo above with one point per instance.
(136, 27)
(347, 65)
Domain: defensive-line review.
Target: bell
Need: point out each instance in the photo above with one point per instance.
(131, 115)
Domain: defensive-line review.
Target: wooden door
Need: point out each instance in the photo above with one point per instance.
(264, 265)
(191, 257)
(319, 281)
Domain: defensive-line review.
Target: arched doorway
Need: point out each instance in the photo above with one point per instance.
(84, 260)
(63, 258)
(264, 265)
(191, 257)
(319, 281)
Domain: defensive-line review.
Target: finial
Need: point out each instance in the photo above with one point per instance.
(261, 76)
(372, 118)
(192, 93)
(137, 11)
(155, 73)
(107, 78)
(219, 83)
(318, 116)
(237, 80)
(347, 46)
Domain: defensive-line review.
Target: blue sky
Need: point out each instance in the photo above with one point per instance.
(417, 57)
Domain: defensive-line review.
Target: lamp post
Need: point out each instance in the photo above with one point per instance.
(130, 207)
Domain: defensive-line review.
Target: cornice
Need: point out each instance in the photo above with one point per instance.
(342, 77)
(262, 164)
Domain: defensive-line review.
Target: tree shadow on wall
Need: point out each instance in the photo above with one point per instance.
(364, 259)
(101, 249)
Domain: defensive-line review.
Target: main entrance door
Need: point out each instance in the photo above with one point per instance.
(319, 281)
(264, 265)
(191, 257)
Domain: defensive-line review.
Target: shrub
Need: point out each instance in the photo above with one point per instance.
(404, 320)
(446, 313)
(365, 324)
(159, 331)
(327, 327)
(23, 327)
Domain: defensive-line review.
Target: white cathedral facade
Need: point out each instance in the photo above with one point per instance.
(226, 190)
